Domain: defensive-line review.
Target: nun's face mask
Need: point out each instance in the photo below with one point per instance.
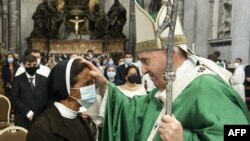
(87, 95)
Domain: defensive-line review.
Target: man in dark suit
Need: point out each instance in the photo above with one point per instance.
(29, 93)
(120, 70)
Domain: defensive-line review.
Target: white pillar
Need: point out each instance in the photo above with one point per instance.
(12, 22)
(1, 22)
(5, 23)
(27, 9)
(196, 24)
(241, 30)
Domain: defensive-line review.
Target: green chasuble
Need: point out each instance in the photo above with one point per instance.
(203, 108)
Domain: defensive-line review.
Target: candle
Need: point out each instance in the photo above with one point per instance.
(193, 48)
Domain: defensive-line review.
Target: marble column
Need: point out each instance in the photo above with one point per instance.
(5, 23)
(241, 30)
(196, 25)
(181, 10)
(27, 8)
(12, 22)
(132, 30)
(189, 20)
(1, 21)
(214, 18)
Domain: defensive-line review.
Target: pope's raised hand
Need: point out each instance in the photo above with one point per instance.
(100, 81)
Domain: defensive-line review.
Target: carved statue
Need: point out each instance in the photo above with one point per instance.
(225, 26)
(116, 19)
(98, 23)
(48, 17)
(76, 21)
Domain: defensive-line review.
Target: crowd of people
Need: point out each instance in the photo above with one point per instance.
(240, 78)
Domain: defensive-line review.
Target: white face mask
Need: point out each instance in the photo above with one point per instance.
(111, 62)
(88, 95)
(111, 74)
(236, 65)
(10, 60)
(128, 61)
(98, 64)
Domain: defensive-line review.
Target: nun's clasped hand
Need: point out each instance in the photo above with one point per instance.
(170, 129)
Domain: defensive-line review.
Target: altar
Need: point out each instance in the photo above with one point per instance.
(77, 46)
(104, 33)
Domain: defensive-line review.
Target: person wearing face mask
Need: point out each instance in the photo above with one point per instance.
(61, 120)
(8, 73)
(104, 62)
(121, 61)
(90, 54)
(90, 57)
(128, 60)
(29, 93)
(42, 69)
(130, 88)
(111, 61)
(110, 74)
(219, 61)
(238, 78)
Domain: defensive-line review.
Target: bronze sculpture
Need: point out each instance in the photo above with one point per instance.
(116, 19)
(48, 18)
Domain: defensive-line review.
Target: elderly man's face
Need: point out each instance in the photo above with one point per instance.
(154, 63)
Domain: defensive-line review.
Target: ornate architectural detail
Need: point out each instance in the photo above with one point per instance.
(226, 19)
(32, 1)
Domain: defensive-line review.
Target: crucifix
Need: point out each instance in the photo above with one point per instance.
(76, 21)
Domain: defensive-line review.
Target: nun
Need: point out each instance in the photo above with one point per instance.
(71, 87)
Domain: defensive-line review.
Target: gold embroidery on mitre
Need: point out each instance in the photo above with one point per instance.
(151, 45)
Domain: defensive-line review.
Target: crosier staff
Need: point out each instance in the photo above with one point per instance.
(169, 22)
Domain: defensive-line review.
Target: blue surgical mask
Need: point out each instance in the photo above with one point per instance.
(128, 61)
(111, 74)
(98, 64)
(105, 62)
(88, 96)
(111, 62)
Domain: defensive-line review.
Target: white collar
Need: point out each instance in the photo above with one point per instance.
(161, 95)
(65, 111)
(186, 65)
(240, 66)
